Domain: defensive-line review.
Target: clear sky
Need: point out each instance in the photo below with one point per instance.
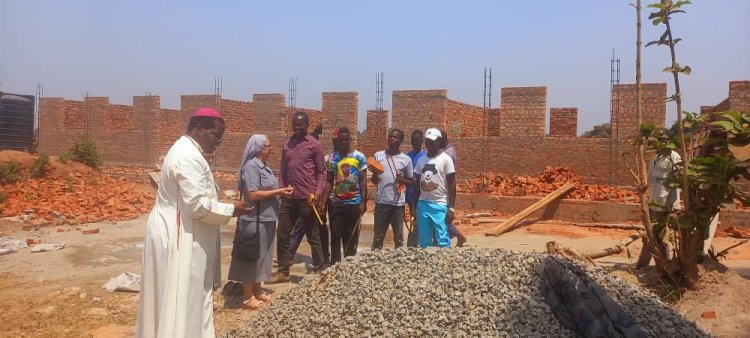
(169, 48)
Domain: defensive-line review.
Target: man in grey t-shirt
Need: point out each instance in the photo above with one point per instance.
(391, 185)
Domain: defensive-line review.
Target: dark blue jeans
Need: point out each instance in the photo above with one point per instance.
(385, 215)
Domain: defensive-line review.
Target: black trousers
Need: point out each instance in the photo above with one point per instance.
(388, 215)
(289, 212)
(298, 232)
(344, 231)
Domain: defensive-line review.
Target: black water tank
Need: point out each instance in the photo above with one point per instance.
(16, 122)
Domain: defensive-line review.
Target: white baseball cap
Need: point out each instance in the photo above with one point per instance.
(433, 134)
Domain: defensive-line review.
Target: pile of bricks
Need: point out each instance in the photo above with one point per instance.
(74, 195)
(735, 232)
(551, 179)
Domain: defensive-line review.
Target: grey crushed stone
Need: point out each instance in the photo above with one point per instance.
(442, 292)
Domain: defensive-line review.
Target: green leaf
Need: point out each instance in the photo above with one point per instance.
(657, 21)
(676, 11)
(657, 5)
(726, 125)
(675, 41)
(669, 69)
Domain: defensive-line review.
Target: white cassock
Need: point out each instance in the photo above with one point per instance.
(180, 250)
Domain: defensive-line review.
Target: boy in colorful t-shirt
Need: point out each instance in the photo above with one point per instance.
(347, 179)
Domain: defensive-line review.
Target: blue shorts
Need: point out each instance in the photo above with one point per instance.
(431, 224)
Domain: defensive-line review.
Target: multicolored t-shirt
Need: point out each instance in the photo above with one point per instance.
(346, 170)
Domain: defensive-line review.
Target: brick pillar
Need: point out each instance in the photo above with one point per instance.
(146, 109)
(419, 109)
(653, 106)
(563, 122)
(376, 133)
(51, 124)
(95, 112)
(339, 110)
(739, 96)
(522, 111)
(270, 117)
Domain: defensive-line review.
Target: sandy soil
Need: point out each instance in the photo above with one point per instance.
(60, 294)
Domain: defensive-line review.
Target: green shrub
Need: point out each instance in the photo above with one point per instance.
(40, 166)
(84, 151)
(64, 158)
(10, 172)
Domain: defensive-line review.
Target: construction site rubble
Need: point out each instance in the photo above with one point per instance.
(550, 180)
(436, 292)
(73, 194)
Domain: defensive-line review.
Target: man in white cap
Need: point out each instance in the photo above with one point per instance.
(177, 279)
(436, 195)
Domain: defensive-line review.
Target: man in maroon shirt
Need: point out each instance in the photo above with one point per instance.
(302, 168)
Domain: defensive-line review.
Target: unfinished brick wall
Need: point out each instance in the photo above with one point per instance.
(530, 155)
(238, 115)
(653, 103)
(316, 117)
(739, 96)
(522, 112)
(563, 122)
(74, 117)
(376, 134)
(464, 120)
(339, 110)
(419, 109)
(120, 117)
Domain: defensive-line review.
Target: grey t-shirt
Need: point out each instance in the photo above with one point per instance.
(387, 189)
(256, 176)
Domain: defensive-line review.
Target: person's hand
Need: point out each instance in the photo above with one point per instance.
(240, 208)
(400, 176)
(362, 208)
(321, 205)
(449, 217)
(286, 192)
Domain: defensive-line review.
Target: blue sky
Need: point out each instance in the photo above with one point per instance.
(169, 48)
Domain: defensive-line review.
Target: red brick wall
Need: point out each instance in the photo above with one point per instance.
(419, 109)
(238, 115)
(74, 118)
(464, 120)
(530, 155)
(339, 110)
(376, 134)
(739, 96)
(120, 117)
(563, 122)
(522, 111)
(653, 100)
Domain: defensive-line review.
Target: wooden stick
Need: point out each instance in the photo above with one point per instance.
(502, 228)
(726, 251)
(478, 214)
(615, 249)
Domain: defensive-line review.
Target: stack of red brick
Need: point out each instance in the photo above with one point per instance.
(552, 179)
(72, 193)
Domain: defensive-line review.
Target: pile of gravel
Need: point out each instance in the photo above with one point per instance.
(438, 292)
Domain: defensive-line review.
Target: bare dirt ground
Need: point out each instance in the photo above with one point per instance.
(60, 294)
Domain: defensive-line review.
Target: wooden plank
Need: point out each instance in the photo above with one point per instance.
(502, 228)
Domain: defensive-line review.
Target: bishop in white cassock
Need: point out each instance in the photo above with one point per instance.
(180, 250)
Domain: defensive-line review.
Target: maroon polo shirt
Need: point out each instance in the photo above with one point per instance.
(303, 167)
